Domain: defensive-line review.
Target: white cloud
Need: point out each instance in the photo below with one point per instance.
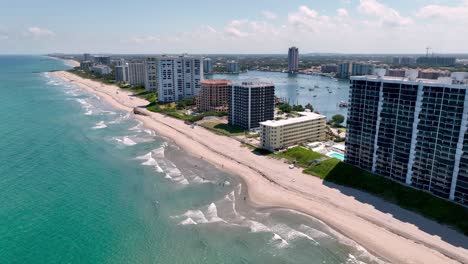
(269, 15)
(386, 16)
(308, 19)
(376, 28)
(342, 12)
(234, 28)
(143, 39)
(452, 13)
(3, 37)
(38, 32)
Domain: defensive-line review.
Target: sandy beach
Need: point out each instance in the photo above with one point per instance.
(391, 233)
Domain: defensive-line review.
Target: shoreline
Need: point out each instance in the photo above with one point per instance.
(269, 184)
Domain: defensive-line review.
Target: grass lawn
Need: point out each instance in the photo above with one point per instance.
(223, 129)
(303, 156)
(323, 169)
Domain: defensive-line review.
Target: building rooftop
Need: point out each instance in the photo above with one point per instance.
(305, 116)
(216, 82)
(250, 84)
(458, 80)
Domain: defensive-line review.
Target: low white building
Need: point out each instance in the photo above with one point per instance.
(309, 127)
(101, 69)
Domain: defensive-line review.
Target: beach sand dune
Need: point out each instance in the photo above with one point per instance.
(390, 232)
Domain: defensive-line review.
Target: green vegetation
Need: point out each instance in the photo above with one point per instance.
(107, 79)
(338, 119)
(335, 171)
(323, 169)
(310, 107)
(430, 206)
(171, 109)
(298, 108)
(223, 129)
(287, 108)
(302, 156)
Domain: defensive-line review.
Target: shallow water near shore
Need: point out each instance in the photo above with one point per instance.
(83, 182)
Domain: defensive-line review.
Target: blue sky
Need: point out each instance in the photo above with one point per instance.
(241, 26)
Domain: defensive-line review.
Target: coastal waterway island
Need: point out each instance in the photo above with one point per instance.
(90, 175)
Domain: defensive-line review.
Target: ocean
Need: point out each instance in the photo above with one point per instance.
(82, 182)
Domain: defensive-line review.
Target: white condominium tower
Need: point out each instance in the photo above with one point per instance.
(175, 78)
(410, 130)
(136, 73)
(293, 60)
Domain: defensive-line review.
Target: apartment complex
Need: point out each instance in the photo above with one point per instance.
(436, 61)
(207, 66)
(293, 60)
(413, 131)
(101, 69)
(213, 96)
(175, 78)
(136, 73)
(121, 73)
(86, 65)
(348, 69)
(358, 69)
(88, 57)
(309, 127)
(251, 103)
(232, 67)
(105, 60)
(329, 68)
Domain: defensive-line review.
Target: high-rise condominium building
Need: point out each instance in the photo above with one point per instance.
(413, 131)
(232, 67)
(121, 73)
(293, 60)
(359, 68)
(348, 69)
(105, 60)
(213, 95)
(436, 61)
(207, 65)
(88, 57)
(251, 103)
(136, 73)
(309, 127)
(173, 77)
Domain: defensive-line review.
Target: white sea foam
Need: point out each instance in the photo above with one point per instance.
(86, 105)
(257, 227)
(159, 152)
(314, 233)
(292, 234)
(100, 125)
(137, 127)
(277, 238)
(199, 180)
(150, 161)
(173, 173)
(120, 119)
(149, 132)
(125, 141)
(196, 216)
(212, 214)
(188, 221)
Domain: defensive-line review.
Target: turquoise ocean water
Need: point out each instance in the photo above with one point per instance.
(81, 182)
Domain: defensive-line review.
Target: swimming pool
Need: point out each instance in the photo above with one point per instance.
(337, 156)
